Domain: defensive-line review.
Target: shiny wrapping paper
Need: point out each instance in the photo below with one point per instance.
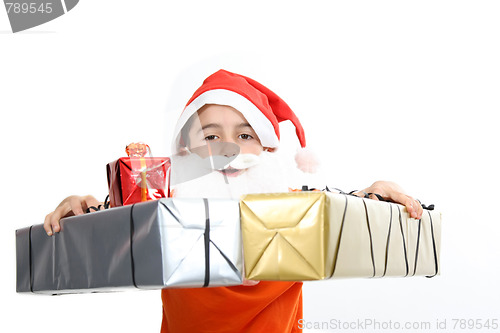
(137, 179)
(150, 245)
(320, 235)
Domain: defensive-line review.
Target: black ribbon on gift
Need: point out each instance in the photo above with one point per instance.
(132, 264)
(30, 254)
(98, 208)
(436, 264)
(206, 237)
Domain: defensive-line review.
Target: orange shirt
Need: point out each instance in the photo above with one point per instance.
(270, 306)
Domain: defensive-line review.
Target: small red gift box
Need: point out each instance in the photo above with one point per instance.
(136, 179)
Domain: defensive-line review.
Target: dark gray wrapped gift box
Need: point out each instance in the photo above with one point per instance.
(150, 245)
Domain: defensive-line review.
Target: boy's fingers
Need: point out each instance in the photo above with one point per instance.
(250, 283)
(420, 210)
(63, 210)
(47, 224)
(54, 219)
(91, 201)
(75, 205)
(51, 223)
(414, 208)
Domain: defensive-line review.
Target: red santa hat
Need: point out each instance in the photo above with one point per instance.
(261, 107)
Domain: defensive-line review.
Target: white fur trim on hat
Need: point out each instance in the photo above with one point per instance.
(259, 122)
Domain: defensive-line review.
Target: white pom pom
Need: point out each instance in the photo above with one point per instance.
(306, 160)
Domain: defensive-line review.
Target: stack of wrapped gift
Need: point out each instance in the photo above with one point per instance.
(198, 243)
(149, 245)
(321, 235)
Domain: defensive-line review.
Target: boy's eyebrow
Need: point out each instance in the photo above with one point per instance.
(244, 125)
(210, 125)
(218, 126)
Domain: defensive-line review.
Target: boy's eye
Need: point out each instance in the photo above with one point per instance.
(245, 136)
(211, 137)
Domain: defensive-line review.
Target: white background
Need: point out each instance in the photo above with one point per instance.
(398, 90)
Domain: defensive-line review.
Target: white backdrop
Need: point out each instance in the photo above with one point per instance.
(398, 90)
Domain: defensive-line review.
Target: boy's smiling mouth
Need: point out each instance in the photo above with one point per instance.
(230, 172)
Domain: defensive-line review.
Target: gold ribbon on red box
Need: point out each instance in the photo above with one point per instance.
(137, 178)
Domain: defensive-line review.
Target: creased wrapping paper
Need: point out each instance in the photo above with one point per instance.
(149, 245)
(137, 179)
(321, 235)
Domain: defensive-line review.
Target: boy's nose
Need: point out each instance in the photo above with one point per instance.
(225, 148)
(229, 149)
(229, 154)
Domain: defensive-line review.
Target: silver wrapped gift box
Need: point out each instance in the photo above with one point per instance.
(149, 245)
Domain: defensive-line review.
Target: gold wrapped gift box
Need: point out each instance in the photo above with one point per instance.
(319, 235)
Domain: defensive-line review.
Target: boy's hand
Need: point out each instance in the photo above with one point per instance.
(72, 205)
(249, 283)
(393, 192)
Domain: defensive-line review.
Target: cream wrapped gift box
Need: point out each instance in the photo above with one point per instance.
(149, 245)
(318, 235)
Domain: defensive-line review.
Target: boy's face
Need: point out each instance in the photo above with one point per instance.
(221, 123)
(247, 166)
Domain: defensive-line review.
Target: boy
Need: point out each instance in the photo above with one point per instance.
(235, 118)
